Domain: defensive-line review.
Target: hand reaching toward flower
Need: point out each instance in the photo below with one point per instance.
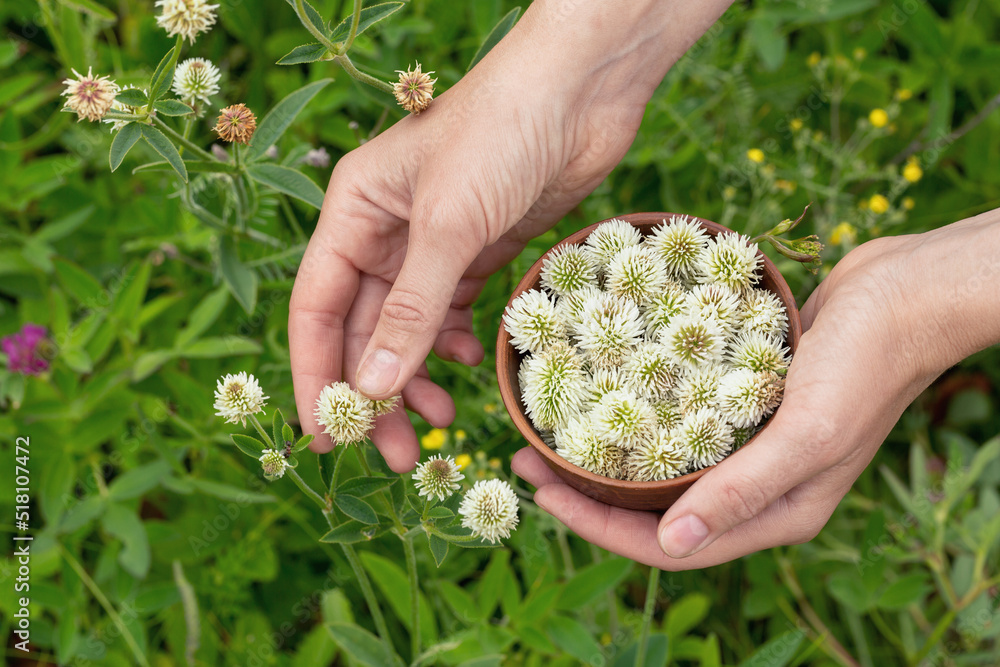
(890, 317)
(417, 219)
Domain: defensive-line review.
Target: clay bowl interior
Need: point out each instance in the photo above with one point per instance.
(658, 495)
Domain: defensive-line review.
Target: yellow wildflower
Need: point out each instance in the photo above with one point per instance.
(813, 59)
(785, 186)
(878, 204)
(845, 232)
(463, 460)
(490, 408)
(796, 124)
(460, 435)
(878, 118)
(728, 192)
(860, 53)
(434, 439)
(904, 94)
(912, 171)
(755, 155)
(495, 463)
(908, 203)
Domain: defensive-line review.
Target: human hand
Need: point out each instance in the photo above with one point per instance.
(888, 319)
(416, 220)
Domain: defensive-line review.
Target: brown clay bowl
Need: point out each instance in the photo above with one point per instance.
(657, 495)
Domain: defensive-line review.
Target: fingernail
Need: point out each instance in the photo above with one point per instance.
(378, 372)
(540, 502)
(684, 536)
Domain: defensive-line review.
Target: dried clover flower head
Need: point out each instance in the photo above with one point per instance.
(196, 79)
(763, 311)
(489, 509)
(693, 341)
(714, 301)
(273, 463)
(237, 397)
(705, 436)
(623, 419)
(731, 260)
(124, 108)
(236, 124)
(699, 388)
(658, 458)
(569, 307)
(663, 307)
(650, 370)
(605, 380)
(384, 406)
(188, 18)
(610, 327)
(345, 414)
(552, 386)
(746, 396)
(635, 273)
(679, 243)
(532, 322)
(90, 96)
(578, 443)
(609, 238)
(758, 352)
(415, 89)
(567, 269)
(437, 477)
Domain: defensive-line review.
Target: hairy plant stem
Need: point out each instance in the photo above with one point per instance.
(652, 589)
(411, 571)
(358, 75)
(300, 11)
(355, 19)
(169, 131)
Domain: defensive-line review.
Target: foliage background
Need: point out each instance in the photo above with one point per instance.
(141, 507)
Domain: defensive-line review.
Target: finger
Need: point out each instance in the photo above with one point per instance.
(413, 311)
(429, 401)
(321, 298)
(456, 341)
(530, 467)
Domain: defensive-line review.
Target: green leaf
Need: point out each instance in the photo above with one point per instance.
(392, 581)
(132, 97)
(572, 637)
(288, 181)
(303, 442)
(224, 346)
(287, 435)
(592, 582)
(777, 652)
(499, 31)
(194, 166)
(312, 15)
(770, 43)
(241, 279)
(202, 317)
(278, 119)
(249, 445)
(123, 143)
(305, 53)
(64, 226)
(134, 483)
(79, 284)
(128, 299)
(440, 513)
(149, 362)
(356, 509)
(362, 646)
(82, 513)
(370, 15)
(351, 532)
(172, 108)
(686, 614)
(163, 75)
(228, 492)
(850, 591)
(91, 7)
(439, 548)
(490, 586)
(123, 524)
(459, 600)
(656, 652)
(360, 487)
(77, 359)
(905, 591)
(166, 149)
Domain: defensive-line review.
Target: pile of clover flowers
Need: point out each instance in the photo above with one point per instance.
(646, 358)
(489, 509)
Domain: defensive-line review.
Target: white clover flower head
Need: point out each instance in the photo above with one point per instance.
(570, 307)
(610, 327)
(345, 414)
(553, 386)
(187, 18)
(237, 397)
(757, 351)
(650, 370)
(663, 307)
(714, 301)
(699, 387)
(658, 458)
(763, 311)
(532, 323)
(668, 414)
(635, 273)
(580, 445)
(679, 243)
(730, 259)
(90, 96)
(623, 419)
(705, 436)
(746, 396)
(437, 477)
(693, 341)
(273, 463)
(125, 108)
(489, 509)
(196, 79)
(609, 238)
(567, 269)
(384, 406)
(604, 380)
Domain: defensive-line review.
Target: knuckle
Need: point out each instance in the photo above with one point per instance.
(743, 498)
(406, 312)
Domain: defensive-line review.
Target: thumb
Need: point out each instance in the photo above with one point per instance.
(414, 309)
(742, 486)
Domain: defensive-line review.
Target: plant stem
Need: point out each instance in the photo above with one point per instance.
(652, 589)
(300, 11)
(308, 490)
(411, 571)
(263, 433)
(358, 75)
(169, 131)
(104, 602)
(370, 599)
(355, 19)
(293, 222)
(237, 160)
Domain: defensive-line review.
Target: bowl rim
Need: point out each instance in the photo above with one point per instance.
(512, 401)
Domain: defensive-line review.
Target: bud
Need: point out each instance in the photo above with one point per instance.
(236, 124)
(90, 96)
(415, 89)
